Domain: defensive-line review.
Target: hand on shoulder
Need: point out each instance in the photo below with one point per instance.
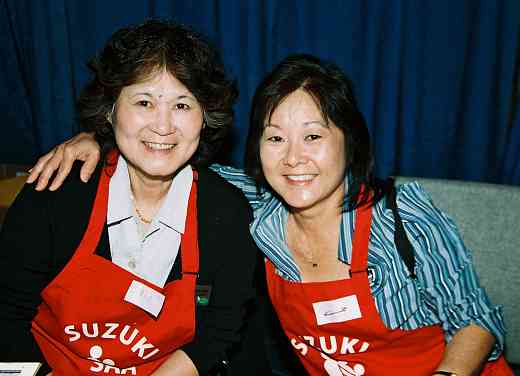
(60, 159)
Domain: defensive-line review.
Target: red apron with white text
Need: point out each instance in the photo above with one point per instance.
(84, 326)
(335, 329)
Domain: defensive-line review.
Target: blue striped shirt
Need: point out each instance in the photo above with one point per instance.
(446, 291)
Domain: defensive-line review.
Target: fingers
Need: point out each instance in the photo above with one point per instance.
(89, 166)
(61, 159)
(35, 171)
(65, 165)
(51, 165)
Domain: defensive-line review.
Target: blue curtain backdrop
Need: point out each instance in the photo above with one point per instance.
(434, 78)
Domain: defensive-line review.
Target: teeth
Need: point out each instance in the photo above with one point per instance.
(300, 177)
(159, 146)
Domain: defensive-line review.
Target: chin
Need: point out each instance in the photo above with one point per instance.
(160, 172)
(298, 203)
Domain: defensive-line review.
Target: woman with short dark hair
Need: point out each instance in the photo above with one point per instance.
(137, 53)
(133, 273)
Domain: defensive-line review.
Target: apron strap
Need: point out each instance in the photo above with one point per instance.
(401, 241)
(363, 223)
(98, 215)
(190, 239)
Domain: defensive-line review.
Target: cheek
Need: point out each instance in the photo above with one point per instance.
(267, 165)
(192, 128)
(333, 153)
(266, 158)
(194, 137)
(324, 155)
(126, 123)
(120, 132)
(125, 135)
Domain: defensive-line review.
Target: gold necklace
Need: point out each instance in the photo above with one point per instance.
(314, 264)
(140, 215)
(310, 259)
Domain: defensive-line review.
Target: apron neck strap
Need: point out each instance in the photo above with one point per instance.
(190, 242)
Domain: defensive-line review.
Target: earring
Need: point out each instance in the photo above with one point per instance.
(204, 120)
(109, 114)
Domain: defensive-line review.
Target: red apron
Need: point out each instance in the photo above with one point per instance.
(84, 326)
(335, 328)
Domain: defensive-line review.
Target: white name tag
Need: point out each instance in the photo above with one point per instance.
(19, 369)
(337, 310)
(145, 297)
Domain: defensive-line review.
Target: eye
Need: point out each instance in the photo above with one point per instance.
(274, 139)
(182, 106)
(312, 137)
(144, 103)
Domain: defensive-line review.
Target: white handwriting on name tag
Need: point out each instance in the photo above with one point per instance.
(337, 310)
(145, 297)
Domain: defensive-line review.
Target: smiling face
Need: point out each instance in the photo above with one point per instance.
(303, 156)
(157, 126)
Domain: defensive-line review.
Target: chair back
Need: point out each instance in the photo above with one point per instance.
(488, 217)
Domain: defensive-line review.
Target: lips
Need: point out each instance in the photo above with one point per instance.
(159, 145)
(300, 178)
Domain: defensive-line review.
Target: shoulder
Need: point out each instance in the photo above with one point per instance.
(415, 202)
(416, 206)
(72, 200)
(75, 195)
(223, 220)
(430, 226)
(216, 192)
(71, 187)
(208, 177)
(53, 221)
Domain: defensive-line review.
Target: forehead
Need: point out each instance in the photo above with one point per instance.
(158, 83)
(299, 105)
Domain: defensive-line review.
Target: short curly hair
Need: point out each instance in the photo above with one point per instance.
(136, 53)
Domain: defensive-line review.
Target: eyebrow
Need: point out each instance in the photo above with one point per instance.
(307, 123)
(147, 94)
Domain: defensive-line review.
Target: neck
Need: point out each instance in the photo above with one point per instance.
(148, 193)
(312, 237)
(319, 216)
(310, 222)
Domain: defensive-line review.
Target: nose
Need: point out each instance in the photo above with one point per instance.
(163, 123)
(294, 154)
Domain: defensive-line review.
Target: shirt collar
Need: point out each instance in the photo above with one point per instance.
(120, 205)
(173, 210)
(268, 230)
(175, 206)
